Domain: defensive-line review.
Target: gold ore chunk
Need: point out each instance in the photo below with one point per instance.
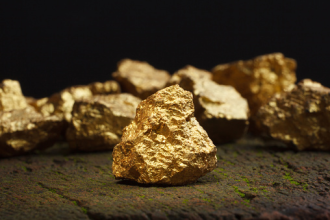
(61, 103)
(191, 72)
(140, 78)
(11, 96)
(300, 116)
(220, 109)
(97, 123)
(164, 144)
(258, 79)
(23, 130)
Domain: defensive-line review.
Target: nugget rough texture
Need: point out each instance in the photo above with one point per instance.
(24, 130)
(300, 117)
(140, 78)
(190, 72)
(11, 96)
(220, 109)
(97, 123)
(164, 144)
(258, 79)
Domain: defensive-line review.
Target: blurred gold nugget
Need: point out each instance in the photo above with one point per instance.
(97, 123)
(11, 96)
(220, 109)
(61, 103)
(140, 78)
(164, 144)
(258, 79)
(300, 116)
(190, 72)
(23, 130)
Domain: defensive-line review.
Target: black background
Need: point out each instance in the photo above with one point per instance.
(50, 45)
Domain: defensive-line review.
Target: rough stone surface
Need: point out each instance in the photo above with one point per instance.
(300, 117)
(189, 72)
(97, 123)
(252, 181)
(11, 96)
(220, 109)
(258, 79)
(140, 78)
(24, 130)
(164, 144)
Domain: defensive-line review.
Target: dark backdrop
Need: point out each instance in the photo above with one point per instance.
(49, 46)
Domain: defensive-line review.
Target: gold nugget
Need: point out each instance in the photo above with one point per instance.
(140, 78)
(190, 72)
(97, 123)
(61, 103)
(220, 109)
(24, 130)
(164, 144)
(300, 117)
(11, 96)
(258, 79)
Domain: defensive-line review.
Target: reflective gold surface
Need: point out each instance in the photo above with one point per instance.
(258, 79)
(11, 96)
(190, 72)
(164, 144)
(25, 130)
(108, 87)
(220, 109)
(300, 116)
(97, 123)
(140, 78)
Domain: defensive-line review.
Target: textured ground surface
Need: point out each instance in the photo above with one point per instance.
(251, 182)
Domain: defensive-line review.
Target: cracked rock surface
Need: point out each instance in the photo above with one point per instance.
(252, 181)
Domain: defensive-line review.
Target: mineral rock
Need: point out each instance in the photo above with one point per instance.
(300, 116)
(164, 144)
(23, 130)
(11, 96)
(258, 79)
(97, 123)
(220, 109)
(190, 72)
(140, 78)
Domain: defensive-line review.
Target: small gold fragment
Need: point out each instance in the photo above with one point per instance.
(164, 144)
(220, 109)
(140, 78)
(23, 130)
(11, 96)
(97, 123)
(108, 87)
(258, 79)
(300, 117)
(191, 72)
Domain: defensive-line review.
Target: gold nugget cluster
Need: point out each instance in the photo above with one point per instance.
(162, 128)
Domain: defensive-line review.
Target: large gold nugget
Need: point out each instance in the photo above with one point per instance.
(97, 123)
(191, 72)
(300, 117)
(164, 144)
(11, 96)
(140, 78)
(24, 130)
(220, 109)
(258, 79)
